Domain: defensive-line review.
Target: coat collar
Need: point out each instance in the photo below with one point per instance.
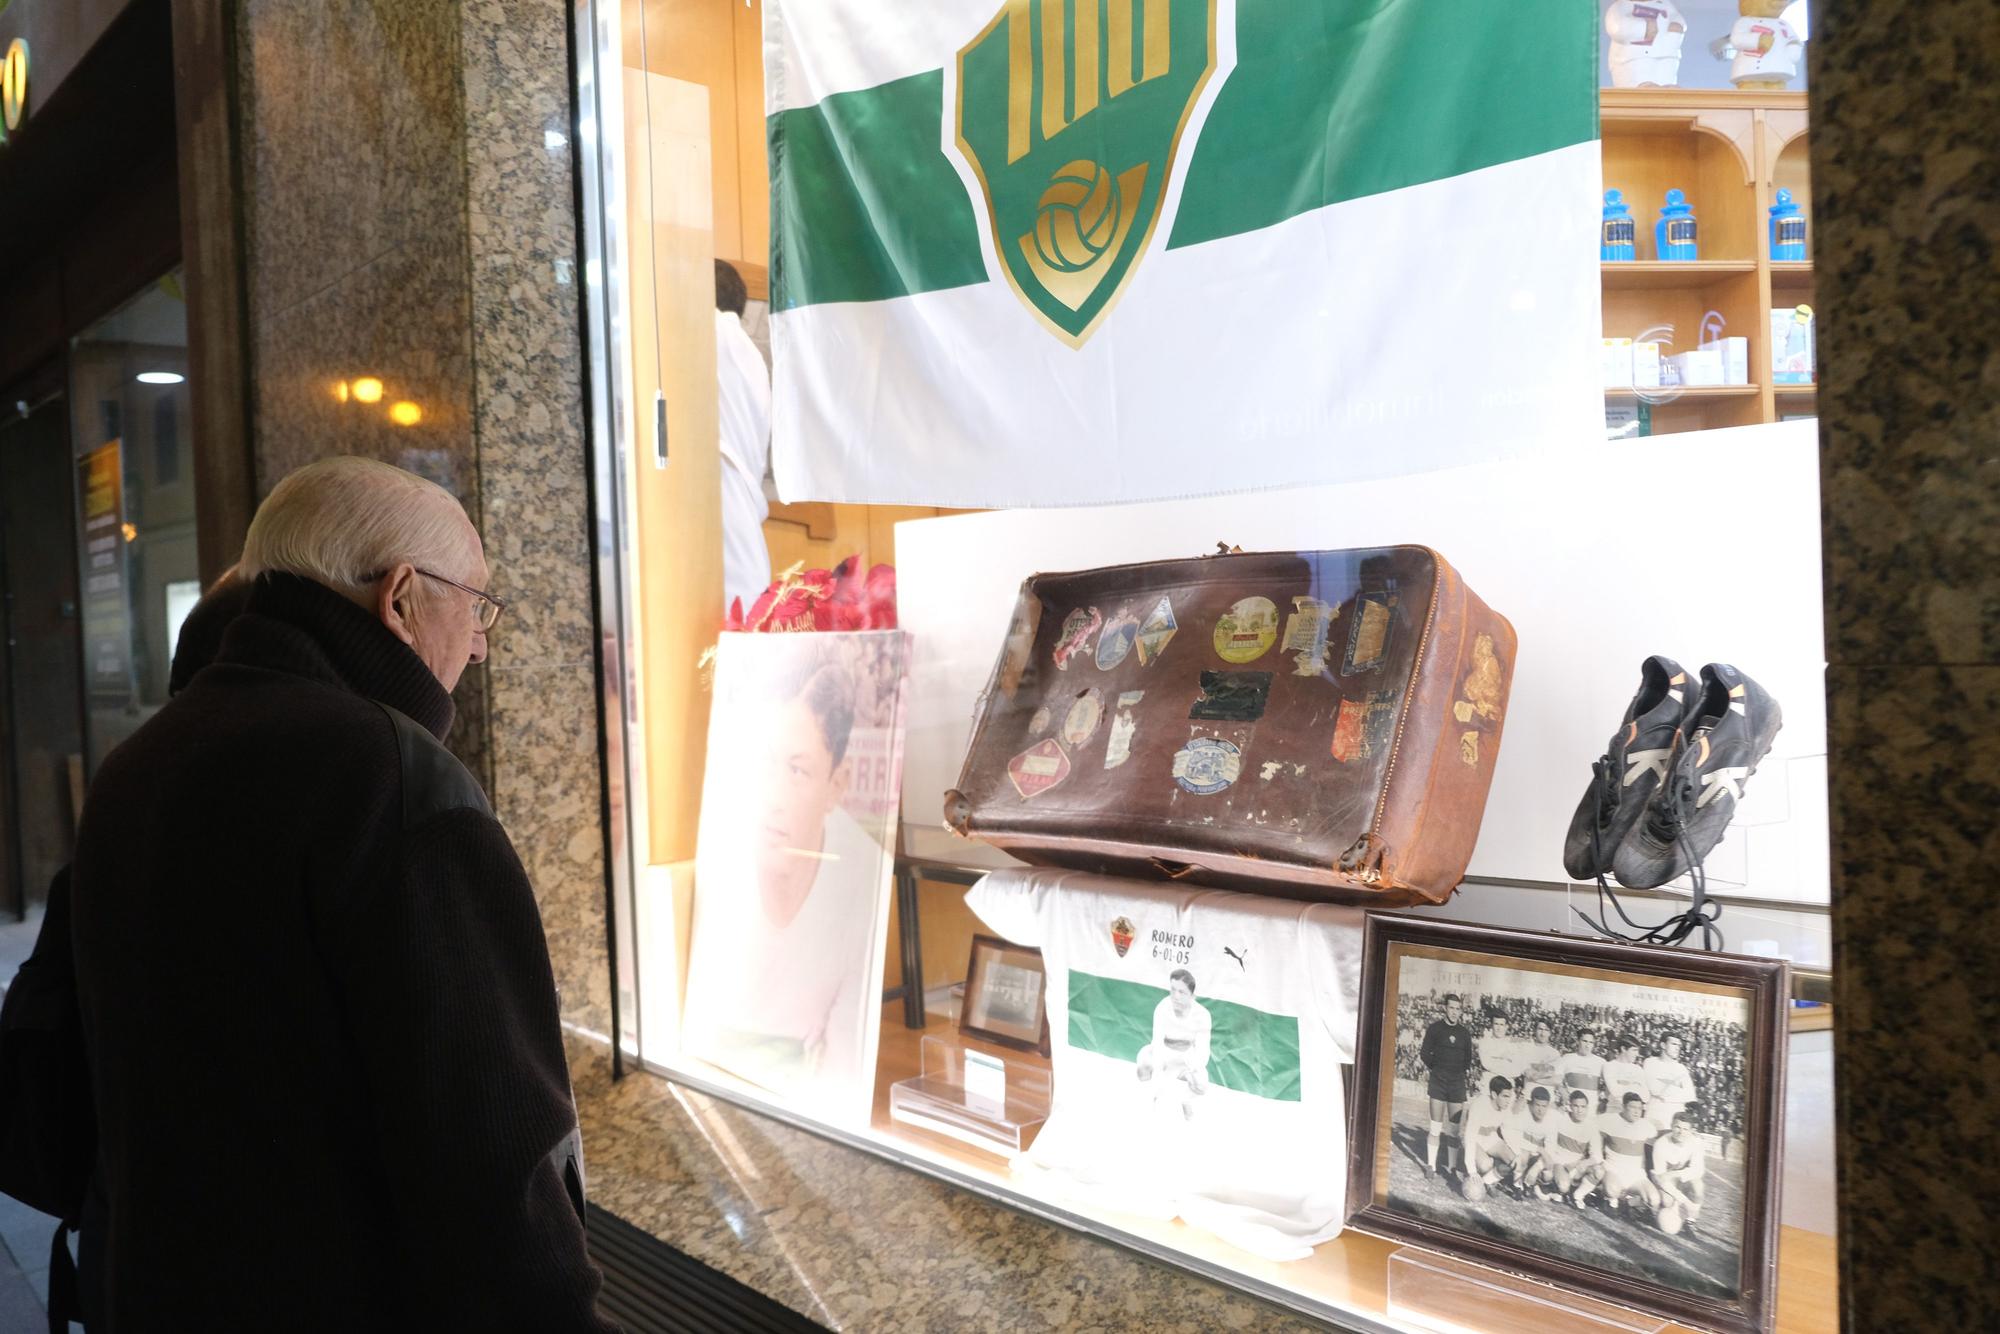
(297, 625)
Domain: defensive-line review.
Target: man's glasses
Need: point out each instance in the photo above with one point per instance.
(486, 608)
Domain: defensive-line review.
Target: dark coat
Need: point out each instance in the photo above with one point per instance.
(317, 1002)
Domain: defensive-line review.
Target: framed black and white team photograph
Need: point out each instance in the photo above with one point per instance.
(1603, 1117)
(1006, 995)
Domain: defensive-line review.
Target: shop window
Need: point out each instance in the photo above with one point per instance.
(743, 783)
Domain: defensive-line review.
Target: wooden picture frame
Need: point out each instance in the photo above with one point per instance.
(1646, 1252)
(1001, 1004)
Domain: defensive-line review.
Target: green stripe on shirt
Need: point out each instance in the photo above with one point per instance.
(1249, 1050)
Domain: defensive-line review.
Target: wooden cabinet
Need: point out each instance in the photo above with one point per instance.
(1730, 152)
(719, 45)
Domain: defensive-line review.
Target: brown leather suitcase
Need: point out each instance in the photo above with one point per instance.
(1321, 724)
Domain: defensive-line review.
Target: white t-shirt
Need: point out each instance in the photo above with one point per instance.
(1540, 1066)
(1529, 1136)
(1182, 1038)
(1575, 1141)
(1674, 1160)
(1483, 1121)
(1502, 1056)
(1669, 1087)
(744, 418)
(1623, 1077)
(1625, 1141)
(1259, 1157)
(1577, 1071)
(787, 1006)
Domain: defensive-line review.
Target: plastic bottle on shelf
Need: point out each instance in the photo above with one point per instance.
(1619, 237)
(1788, 228)
(1674, 233)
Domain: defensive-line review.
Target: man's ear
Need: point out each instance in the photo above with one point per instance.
(843, 774)
(393, 594)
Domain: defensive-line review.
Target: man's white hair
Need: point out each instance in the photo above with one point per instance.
(342, 519)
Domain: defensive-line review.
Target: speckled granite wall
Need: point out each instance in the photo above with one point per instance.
(408, 217)
(527, 355)
(1906, 237)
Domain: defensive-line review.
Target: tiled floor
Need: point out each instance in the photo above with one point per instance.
(17, 942)
(24, 1266)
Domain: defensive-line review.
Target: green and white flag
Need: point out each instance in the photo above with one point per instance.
(1059, 252)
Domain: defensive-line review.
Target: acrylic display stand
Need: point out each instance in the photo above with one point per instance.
(1432, 1291)
(991, 1102)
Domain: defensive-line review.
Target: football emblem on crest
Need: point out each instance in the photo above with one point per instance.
(1077, 217)
(1071, 117)
(1122, 933)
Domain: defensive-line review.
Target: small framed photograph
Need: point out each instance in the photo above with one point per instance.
(1006, 995)
(1606, 1118)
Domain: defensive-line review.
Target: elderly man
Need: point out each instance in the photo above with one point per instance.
(316, 996)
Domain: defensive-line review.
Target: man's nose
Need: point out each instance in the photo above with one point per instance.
(478, 647)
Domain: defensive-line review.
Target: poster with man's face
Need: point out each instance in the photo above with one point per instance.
(792, 871)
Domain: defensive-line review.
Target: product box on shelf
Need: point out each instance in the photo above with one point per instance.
(1645, 365)
(1735, 354)
(1792, 330)
(1699, 369)
(1617, 363)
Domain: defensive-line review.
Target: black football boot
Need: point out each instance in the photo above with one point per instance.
(1726, 734)
(1631, 769)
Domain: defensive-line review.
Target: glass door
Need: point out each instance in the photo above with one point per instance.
(43, 662)
(133, 432)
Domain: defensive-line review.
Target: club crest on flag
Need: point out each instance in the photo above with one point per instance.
(1071, 115)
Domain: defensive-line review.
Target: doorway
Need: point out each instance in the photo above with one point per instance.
(42, 665)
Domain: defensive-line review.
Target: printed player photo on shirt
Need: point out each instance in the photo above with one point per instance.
(1590, 1119)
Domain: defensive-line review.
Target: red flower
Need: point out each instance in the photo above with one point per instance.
(837, 599)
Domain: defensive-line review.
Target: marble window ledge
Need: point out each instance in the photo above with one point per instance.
(853, 1241)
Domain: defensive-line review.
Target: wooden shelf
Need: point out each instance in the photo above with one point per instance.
(1667, 275)
(1611, 101)
(1731, 151)
(1665, 394)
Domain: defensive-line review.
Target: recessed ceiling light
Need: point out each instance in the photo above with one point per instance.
(160, 377)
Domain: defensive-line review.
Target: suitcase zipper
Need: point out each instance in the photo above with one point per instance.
(1373, 872)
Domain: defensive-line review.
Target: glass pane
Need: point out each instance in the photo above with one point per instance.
(134, 441)
(1641, 46)
(45, 711)
(685, 189)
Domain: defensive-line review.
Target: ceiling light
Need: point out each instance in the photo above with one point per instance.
(160, 377)
(405, 413)
(368, 389)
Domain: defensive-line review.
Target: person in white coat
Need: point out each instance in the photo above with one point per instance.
(744, 415)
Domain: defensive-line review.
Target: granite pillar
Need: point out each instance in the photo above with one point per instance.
(1906, 236)
(409, 218)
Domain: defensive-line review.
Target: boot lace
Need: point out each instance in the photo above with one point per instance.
(1667, 822)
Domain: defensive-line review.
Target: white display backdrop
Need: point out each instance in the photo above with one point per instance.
(1704, 547)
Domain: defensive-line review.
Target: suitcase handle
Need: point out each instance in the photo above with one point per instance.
(958, 813)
